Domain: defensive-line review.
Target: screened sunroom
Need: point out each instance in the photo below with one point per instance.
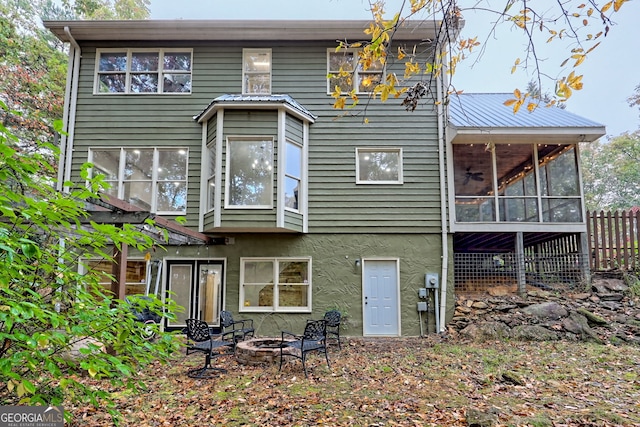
(516, 206)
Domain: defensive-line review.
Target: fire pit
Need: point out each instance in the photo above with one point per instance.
(260, 350)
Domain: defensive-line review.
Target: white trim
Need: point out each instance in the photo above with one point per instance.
(363, 261)
(67, 156)
(512, 227)
(275, 308)
(154, 182)
(217, 205)
(580, 183)
(211, 175)
(495, 184)
(223, 30)
(281, 156)
(128, 72)
(259, 51)
(284, 166)
(524, 135)
(397, 150)
(536, 171)
(204, 178)
(303, 199)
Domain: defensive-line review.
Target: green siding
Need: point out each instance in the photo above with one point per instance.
(293, 129)
(346, 221)
(212, 129)
(293, 221)
(208, 220)
(336, 203)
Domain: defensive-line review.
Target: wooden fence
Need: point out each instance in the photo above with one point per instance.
(614, 239)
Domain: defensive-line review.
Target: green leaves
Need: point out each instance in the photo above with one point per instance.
(56, 323)
(611, 172)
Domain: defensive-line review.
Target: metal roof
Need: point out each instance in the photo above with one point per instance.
(255, 101)
(486, 112)
(242, 30)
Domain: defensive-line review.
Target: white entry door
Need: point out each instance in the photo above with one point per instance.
(381, 314)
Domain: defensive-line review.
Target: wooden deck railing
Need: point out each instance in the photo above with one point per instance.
(614, 239)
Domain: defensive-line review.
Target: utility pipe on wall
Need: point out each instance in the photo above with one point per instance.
(443, 202)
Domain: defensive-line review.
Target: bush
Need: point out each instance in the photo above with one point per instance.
(56, 323)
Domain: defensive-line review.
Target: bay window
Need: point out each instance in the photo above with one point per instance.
(275, 284)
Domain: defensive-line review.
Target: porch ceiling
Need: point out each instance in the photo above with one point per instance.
(498, 242)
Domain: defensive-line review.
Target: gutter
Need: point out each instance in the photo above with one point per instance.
(69, 115)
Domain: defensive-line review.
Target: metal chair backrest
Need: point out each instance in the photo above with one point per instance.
(315, 330)
(226, 319)
(332, 317)
(198, 330)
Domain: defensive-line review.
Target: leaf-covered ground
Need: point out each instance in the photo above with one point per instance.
(395, 382)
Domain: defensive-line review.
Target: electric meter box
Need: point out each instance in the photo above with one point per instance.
(431, 281)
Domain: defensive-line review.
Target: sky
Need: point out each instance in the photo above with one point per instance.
(610, 71)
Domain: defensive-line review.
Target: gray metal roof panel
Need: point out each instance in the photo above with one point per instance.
(258, 99)
(487, 110)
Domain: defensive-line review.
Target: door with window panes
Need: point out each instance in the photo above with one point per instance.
(196, 286)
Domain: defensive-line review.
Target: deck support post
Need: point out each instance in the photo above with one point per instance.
(584, 255)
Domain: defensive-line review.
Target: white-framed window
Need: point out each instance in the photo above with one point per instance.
(256, 71)
(143, 71)
(151, 178)
(249, 173)
(378, 165)
(346, 73)
(211, 176)
(292, 176)
(275, 284)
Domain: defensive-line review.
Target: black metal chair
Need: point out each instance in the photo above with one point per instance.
(314, 338)
(229, 325)
(199, 339)
(333, 318)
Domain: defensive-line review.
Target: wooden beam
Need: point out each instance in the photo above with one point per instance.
(119, 271)
(105, 217)
(180, 229)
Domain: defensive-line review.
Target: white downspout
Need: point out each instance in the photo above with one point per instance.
(69, 117)
(443, 203)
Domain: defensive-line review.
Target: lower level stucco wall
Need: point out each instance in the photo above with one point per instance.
(336, 279)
